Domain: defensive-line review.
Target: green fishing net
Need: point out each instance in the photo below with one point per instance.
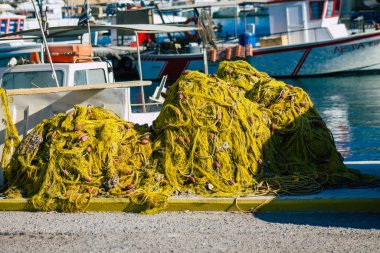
(238, 132)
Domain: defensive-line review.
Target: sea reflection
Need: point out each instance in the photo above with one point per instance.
(337, 122)
(350, 106)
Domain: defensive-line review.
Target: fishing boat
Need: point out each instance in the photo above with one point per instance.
(75, 68)
(306, 39)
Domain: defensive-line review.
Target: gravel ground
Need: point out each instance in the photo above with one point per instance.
(190, 232)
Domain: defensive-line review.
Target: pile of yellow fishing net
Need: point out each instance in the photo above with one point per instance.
(235, 133)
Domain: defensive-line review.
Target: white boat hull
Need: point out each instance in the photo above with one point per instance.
(351, 54)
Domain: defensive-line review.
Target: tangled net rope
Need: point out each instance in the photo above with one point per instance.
(68, 159)
(236, 133)
(302, 154)
(210, 137)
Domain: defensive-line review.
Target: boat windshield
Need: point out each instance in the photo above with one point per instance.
(35, 79)
(89, 76)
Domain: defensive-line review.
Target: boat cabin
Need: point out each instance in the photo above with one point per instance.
(306, 21)
(73, 64)
(68, 74)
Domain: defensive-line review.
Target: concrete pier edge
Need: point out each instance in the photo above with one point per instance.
(343, 199)
(357, 200)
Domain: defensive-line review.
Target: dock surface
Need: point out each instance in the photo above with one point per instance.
(190, 232)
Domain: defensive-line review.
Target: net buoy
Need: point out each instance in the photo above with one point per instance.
(228, 53)
(238, 51)
(249, 50)
(213, 55)
(34, 58)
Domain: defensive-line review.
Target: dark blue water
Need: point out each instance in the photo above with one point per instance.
(351, 108)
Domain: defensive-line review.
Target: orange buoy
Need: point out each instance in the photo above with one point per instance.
(238, 51)
(249, 50)
(34, 58)
(213, 55)
(242, 52)
(228, 53)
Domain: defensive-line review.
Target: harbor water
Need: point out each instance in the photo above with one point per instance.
(350, 106)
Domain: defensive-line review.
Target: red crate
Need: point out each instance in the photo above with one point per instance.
(70, 53)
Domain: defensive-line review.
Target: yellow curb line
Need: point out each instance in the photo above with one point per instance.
(222, 204)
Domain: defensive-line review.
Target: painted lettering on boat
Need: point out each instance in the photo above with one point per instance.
(353, 47)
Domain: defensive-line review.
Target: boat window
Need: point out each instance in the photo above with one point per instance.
(35, 79)
(89, 76)
(80, 77)
(96, 76)
(13, 25)
(333, 8)
(330, 8)
(3, 28)
(316, 9)
(21, 25)
(338, 5)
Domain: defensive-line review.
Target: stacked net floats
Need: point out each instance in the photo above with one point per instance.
(235, 133)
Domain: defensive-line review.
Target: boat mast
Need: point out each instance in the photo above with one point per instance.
(163, 20)
(88, 21)
(140, 70)
(38, 17)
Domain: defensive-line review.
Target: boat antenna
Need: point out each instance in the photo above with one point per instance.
(84, 18)
(162, 19)
(206, 32)
(38, 17)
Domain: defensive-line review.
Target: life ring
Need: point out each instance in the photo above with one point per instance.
(191, 36)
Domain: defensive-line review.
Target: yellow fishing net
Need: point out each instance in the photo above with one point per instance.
(68, 159)
(235, 133)
(210, 137)
(11, 137)
(302, 156)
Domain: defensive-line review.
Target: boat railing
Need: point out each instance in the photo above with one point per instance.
(359, 25)
(91, 58)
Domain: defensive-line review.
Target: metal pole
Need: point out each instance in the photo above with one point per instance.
(88, 21)
(235, 21)
(205, 59)
(140, 70)
(163, 21)
(205, 63)
(41, 8)
(38, 17)
(245, 19)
